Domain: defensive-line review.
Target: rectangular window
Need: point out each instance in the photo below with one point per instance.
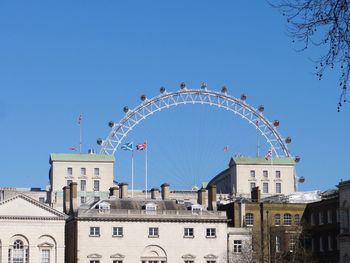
(265, 188)
(278, 243)
(211, 232)
(153, 232)
(189, 261)
(117, 231)
(278, 174)
(69, 182)
(321, 244)
(96, 171)
(329, 217)
(252, 173)
(117, 261)
(96, 185)
(211, 261)
(249, 219)
(237, 246)
(330, 246)
(82, 199)
(69, 171)
(265, 173)
(292, 242)
(320, 218)
(83, 185)
(312, 219)
(82, 171)
(94, 231)
(45, 256)
(278, 188)
(188, 232)
(94, 261)
(252, 185)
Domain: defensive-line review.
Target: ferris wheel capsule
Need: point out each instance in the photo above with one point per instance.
(143, 97)
(301, 179)
(204, 85)
(126, 109)
(224, 89)
(297, 159)
(182, 85)
(243, 97)
(288, 140)
(276, 123)
(162, 90)
(261, 108)
(99, 141)
(111, 124)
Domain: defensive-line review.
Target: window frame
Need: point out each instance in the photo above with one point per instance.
(153, 232)
(265, 188)
(117, 231)
(188, 232)
(249, 217)
(237, 246)
(278, 188)
(210, 232)
(287, 219)
(94, 231)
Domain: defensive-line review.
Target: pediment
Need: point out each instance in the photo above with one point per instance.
(23, 206)
(188, 256)
(117, 255)
(95, 255)
(210, 256)
(45, 245)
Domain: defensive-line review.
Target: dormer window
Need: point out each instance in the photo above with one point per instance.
(104, 206)
(196, 209)
(150, 208)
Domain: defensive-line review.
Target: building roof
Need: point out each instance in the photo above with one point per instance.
(239, 160)
(80, 157)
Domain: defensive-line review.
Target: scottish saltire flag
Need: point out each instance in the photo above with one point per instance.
(127, 146)
(268, 154)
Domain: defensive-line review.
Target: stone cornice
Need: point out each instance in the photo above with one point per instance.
(144, 219)
(35, 218)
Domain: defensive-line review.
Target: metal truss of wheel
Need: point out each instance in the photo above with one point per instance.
(165, 100)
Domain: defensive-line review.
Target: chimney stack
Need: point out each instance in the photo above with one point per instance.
(255, 194)
(123, 190)
(155, 193)
(202, 197)
(66, 199)
(211, 197)
(114, 192)
(165, 191)
(73, 197)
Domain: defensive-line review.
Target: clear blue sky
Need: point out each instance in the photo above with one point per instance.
(60, 58)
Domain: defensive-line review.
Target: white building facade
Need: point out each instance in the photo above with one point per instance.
(92, 172)
(273, 176)
(30, 232)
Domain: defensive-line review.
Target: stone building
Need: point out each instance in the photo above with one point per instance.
(274, 225)
(92, 172)
(321, 228)
(344, 235)
(30, 231)
(273, 176)
(157, 230)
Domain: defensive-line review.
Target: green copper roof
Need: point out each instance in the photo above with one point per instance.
(261, 160)
(81, 157)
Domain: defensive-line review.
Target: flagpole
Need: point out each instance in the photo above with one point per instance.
(146, 169)
(132, 173)
(80, 139)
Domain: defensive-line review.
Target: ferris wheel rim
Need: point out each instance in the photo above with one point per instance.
(193, 96)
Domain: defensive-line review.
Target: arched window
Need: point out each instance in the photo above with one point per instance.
(277, 219)
(297, 219)
(287, 219)
(249, 219)
(18, 252)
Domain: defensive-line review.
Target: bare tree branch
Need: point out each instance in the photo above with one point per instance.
(322, 23)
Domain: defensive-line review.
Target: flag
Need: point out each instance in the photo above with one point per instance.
(72, 149)
(226, 148)
(80, 118)
(127, 146)
(268, 154)
(141, 146)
